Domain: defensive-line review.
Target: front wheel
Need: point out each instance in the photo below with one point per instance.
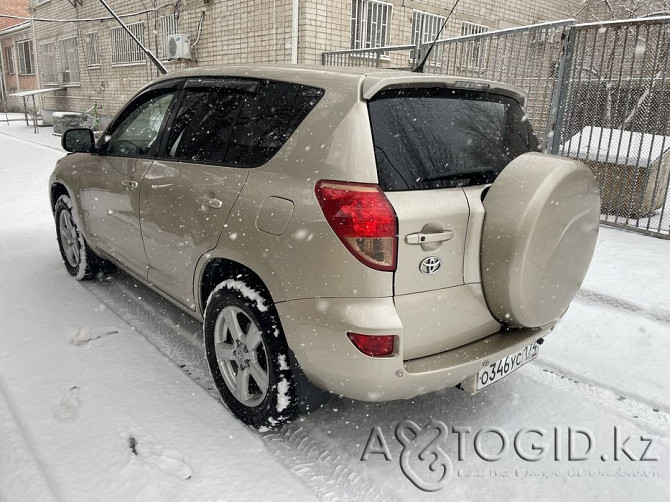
(79, 260)
(248, 356)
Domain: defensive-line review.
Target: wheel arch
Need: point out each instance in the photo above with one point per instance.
(56, 190)
(217, 270)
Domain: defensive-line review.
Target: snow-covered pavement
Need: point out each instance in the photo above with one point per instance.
(104, 394)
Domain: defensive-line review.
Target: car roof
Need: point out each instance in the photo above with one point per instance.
(369, 81)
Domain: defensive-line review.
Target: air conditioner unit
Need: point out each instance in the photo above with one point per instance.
(179, 47)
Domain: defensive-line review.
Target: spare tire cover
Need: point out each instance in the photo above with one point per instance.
(539, 233)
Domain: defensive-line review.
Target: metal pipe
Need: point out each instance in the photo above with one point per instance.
(151, 55)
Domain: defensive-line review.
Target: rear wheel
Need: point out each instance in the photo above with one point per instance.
(79, 260)
(248, 356)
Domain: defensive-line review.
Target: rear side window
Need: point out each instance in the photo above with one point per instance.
(440, 138)
(238, 125)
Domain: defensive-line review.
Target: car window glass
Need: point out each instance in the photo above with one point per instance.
(440, 138)
(136, 135)
(203, 123)
(238, 126)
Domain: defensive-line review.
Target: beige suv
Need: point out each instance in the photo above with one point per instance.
(373, 234)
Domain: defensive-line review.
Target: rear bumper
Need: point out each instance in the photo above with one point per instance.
(316, 332)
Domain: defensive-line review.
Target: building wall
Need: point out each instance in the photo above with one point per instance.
(13, 8)
(239, 31)
(15, 81)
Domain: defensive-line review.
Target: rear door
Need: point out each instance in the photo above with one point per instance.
(430, 144)
(189, 191)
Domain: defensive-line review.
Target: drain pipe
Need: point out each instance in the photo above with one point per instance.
(294, 32)
(151, 55)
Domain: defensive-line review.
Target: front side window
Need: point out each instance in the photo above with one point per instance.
(69, 60)
(441, 138)
(237, 122)
(137, 133)
(370, 24)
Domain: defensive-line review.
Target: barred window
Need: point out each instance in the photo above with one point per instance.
(169, 26)
(69, 60)
(124, 48)
(92, 54)
(370, 24)
(49, 67)
(9, 60)
(475, 49)
(26, 57)
(425, 27)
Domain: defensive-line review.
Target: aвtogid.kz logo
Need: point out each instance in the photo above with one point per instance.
(422, 460)
(426, 464)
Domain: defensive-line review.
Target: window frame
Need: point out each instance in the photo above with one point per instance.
(9, 59)
(92, 46)
(52, 63)
(128, 46)
(22, 60)
(362, 20)
(422, 18)
(475, 49)
(169, 26)
(65, 53)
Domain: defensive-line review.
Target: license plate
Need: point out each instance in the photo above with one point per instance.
(500, 369)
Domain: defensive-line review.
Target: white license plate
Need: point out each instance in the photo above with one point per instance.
(500, 369)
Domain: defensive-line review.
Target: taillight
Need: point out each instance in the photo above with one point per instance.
(373, 345)
(363, 219)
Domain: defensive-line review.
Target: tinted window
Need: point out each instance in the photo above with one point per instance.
(136, 135)
(237, 125)
(438, 138)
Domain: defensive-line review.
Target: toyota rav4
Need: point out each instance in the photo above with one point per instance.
(373, 234)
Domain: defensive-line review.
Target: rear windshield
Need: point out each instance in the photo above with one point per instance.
(439, 138)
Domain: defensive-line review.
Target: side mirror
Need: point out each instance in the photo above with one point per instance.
(78, 140)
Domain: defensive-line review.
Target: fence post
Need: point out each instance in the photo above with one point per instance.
(559, 100)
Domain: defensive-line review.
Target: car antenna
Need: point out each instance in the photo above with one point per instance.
(419, 68)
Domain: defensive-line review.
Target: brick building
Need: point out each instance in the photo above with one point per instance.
(17, 52)
(79, 47)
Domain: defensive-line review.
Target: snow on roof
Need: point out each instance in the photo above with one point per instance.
(614, 146)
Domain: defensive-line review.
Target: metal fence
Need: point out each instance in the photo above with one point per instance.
(597, 92)
(613, 112)
(397, 57)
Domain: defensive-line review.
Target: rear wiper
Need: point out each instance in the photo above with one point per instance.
(460, 175)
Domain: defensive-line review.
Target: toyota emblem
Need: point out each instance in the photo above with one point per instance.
(430, 265)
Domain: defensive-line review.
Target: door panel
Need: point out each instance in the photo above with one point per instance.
(110, 202)
(184, 208)
(110, 192)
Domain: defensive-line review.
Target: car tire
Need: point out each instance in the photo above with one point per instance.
(79, 260)
(248, 356)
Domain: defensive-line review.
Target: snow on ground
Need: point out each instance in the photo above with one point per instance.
(104, 393)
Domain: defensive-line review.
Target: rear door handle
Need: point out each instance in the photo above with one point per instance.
(421, 238)
(130, 183)
(211, 202)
